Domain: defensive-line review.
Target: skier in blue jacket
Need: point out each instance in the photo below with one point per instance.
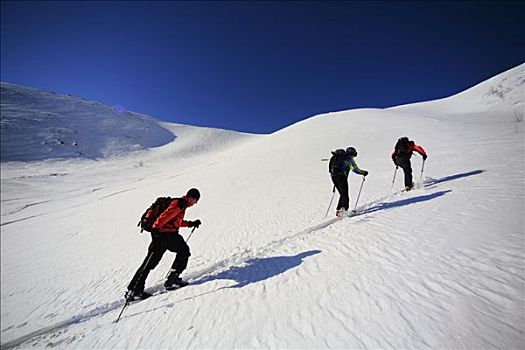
(340, 165)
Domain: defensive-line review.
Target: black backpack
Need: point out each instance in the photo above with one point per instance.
(402, 146)
(337, 162)
(153, 212)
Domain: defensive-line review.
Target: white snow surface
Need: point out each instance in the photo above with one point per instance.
(442, 266)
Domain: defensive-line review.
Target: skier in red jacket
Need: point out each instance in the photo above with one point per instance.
(401, 157)
(165, 236)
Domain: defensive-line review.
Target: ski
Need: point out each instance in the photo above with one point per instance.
(157, 293)
(154, 294)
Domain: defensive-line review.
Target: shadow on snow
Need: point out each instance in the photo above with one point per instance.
(401, 203)
(258, 269)
(432, 182)
(427, 184)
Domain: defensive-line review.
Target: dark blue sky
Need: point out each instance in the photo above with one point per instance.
(257, 66)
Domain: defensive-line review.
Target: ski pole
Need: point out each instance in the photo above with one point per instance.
(359, 195)
(331, 200)
(191, 234)
(394, 179)
(422, 167)
(121, 311)
(135, 285)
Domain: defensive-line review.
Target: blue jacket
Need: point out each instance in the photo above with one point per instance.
(343, 164)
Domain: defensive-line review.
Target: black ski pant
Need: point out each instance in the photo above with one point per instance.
(160, 242)
(404, 163)
(341, 183)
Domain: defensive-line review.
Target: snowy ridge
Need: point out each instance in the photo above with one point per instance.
(504, 91)
(39, 125)
(438, 267)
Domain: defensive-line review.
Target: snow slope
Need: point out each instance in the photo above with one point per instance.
(502, 92)
(440, 267)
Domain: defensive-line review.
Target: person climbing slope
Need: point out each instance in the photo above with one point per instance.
(340, 165)
(401, 158)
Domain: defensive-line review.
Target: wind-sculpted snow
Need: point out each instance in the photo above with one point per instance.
(245, 267)
(441, 266)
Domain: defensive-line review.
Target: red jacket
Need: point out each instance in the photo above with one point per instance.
(172, 218)
(411, 148)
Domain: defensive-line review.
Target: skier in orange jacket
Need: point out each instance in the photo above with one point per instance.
(165, 236)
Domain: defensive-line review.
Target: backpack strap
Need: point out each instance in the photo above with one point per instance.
(182, 203)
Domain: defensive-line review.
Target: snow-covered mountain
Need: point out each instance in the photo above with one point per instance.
(439, 267)
(504, 92)
(38, 125)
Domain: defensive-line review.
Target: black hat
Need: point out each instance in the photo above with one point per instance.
(194, 193)
(351, 151)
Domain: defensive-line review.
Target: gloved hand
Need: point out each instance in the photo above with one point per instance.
(195, 223)
(425, 157)
(365, 173)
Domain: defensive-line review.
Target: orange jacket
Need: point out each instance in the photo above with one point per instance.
(172, 218)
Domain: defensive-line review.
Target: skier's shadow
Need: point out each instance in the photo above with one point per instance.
(401, 203)
(427, 184)
(433, 182)
(258, 269)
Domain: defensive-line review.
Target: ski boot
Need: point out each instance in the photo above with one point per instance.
(131, 295)
(174, 281)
